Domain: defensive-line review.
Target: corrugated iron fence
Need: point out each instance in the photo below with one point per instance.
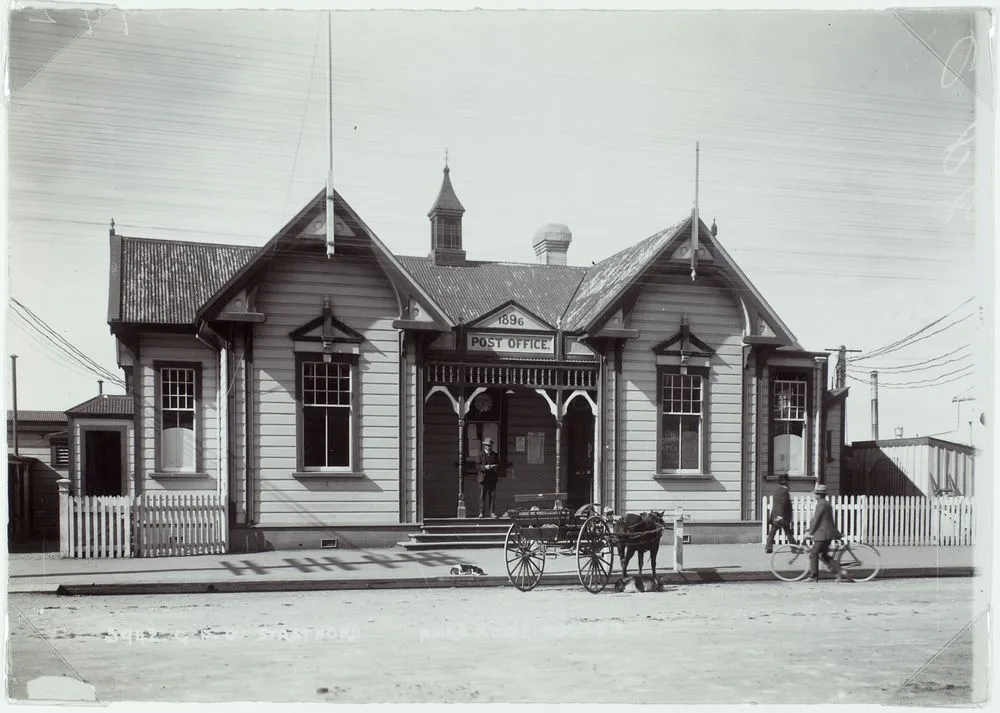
(888, 520)
(148, 525)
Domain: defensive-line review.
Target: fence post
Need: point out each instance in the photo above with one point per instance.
(679, 539)
(65, 516)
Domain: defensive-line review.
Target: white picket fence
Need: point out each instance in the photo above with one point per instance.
(148, 525)
(884, 520)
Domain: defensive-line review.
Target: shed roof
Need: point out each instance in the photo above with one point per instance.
(37, 416)
(104, 405)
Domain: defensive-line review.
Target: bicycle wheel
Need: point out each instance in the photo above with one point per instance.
(790, 563)
(859, 561)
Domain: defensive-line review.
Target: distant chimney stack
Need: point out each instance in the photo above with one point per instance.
(100, 387)
(551, 243)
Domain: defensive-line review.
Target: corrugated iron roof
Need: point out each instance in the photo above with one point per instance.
(104, 405)
(166, 281)
(604, 281)
(475, 288)
(37, 416)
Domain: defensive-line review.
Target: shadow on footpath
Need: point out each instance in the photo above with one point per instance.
(306, 565)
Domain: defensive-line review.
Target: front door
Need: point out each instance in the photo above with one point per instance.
(579, 427)
(102, 465)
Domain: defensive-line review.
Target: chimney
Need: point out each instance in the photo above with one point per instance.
(551, 243)
(100, 387)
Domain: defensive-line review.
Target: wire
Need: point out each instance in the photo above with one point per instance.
(916, 366)
(925, 383)
(880, 351)
(43, 329)
(67, 348)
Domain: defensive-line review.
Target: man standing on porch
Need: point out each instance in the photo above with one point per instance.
(488, 465)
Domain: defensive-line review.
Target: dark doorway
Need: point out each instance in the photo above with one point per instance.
(579, 428)
(102, 467)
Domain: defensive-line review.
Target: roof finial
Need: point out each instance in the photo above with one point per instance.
(446, 169)
(112, 226)
(715, 228)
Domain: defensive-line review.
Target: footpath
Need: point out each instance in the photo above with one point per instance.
(397, 568)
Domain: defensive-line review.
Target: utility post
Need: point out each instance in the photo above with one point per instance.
(874, 405)
(841, 368)
(13, 376)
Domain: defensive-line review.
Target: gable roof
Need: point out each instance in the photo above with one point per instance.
(469, 291)
(603, 282)
(262, 257)
(610, 279)
(104, 405)
(166, 281)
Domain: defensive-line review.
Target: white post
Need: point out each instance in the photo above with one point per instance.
(65, 516)
(679, 539)
(223, 410)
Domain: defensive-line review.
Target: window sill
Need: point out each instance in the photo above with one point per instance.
(682, 476)
(179, 475)
(326, 474)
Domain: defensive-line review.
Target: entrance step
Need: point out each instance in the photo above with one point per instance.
(455, 534)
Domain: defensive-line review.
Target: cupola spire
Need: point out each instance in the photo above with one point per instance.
(446, 223)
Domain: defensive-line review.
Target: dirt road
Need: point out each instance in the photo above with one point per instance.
(725, 643)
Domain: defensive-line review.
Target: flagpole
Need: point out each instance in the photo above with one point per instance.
(329, 122)
(694, 221)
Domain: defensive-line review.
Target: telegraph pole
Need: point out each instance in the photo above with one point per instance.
(842, 363)
(13, 376)
(874, 405)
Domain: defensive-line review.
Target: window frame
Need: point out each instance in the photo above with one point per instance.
(662, 371)
(199, 413)
(354, 439)
(798, 375)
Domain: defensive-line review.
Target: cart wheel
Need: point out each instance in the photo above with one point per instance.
(587, 510)
(595, 556)
(525, 559)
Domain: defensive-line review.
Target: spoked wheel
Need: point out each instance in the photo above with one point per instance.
(790, 563)
(525, 559)
(587, 510)
(595, 556)
(861, 563)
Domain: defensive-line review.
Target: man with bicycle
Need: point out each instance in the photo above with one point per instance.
(780, 517)
(823, 531)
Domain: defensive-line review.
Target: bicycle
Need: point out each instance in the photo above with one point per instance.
(861, 562)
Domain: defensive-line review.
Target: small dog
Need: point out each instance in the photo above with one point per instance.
(467, 569)
(637, 584)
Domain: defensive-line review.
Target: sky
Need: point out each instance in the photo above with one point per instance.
(837, 156)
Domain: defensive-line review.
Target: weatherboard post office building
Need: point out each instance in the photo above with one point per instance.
(340, 391)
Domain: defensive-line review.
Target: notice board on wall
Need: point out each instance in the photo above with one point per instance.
(535, 444)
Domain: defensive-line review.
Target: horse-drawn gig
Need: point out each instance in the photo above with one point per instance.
(588, 533)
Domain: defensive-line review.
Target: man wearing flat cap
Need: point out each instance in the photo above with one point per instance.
(823, 531)
(488, 467)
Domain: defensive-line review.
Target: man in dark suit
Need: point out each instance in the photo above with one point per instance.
(780, 517)
(823, 531)
(487, 468)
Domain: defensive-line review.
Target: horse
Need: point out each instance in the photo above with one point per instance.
(639, 533)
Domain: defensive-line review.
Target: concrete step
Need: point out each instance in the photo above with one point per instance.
(499, 529)
(457, 536)
(415, 546)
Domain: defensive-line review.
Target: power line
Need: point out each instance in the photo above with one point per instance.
(925, 365)
(924, 383)
(899, 343)
(42, 328)
(63, 345)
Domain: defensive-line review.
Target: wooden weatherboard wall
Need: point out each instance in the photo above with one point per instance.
(291, 295)
(178, 349)
(716, 319)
